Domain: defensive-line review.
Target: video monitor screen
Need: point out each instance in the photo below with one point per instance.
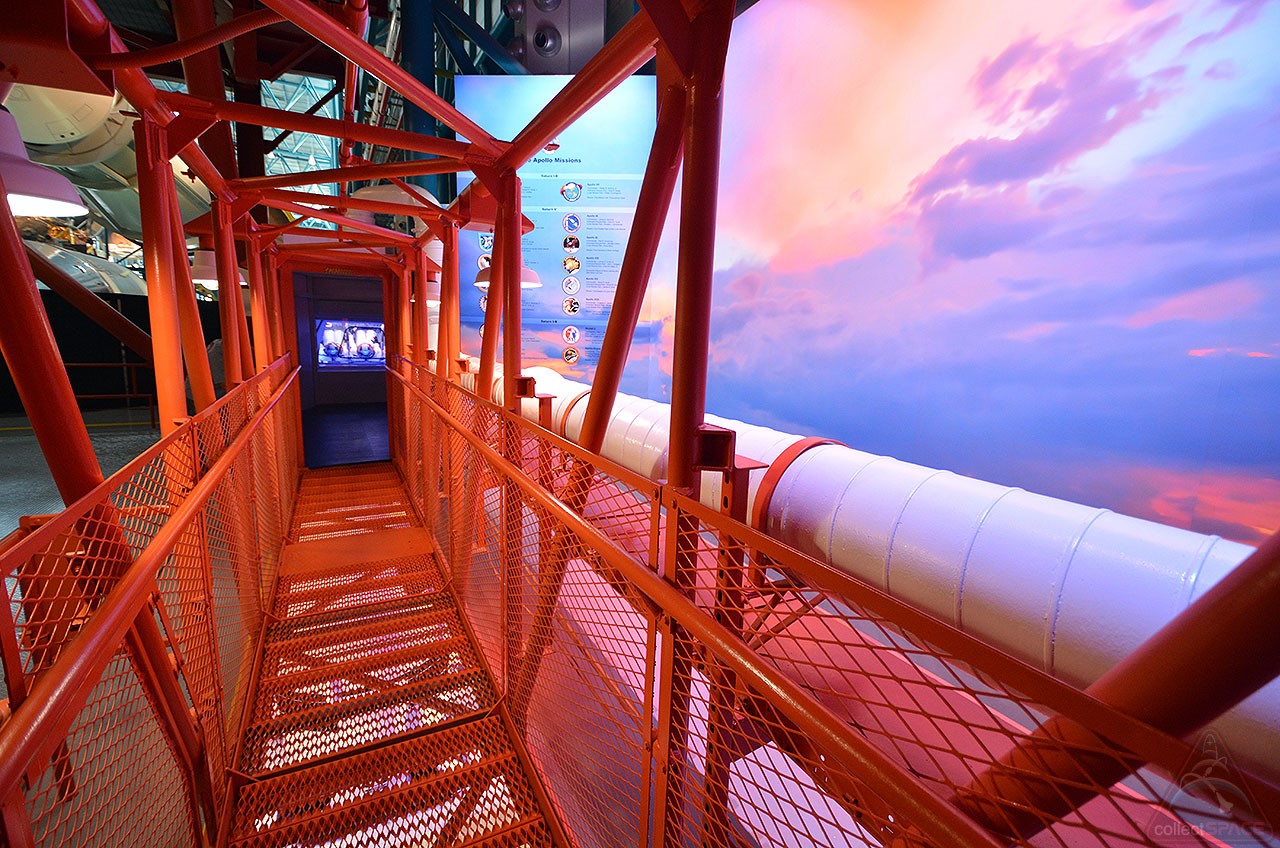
(354, 343)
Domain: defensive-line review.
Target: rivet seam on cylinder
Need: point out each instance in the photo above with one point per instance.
(1055, 608)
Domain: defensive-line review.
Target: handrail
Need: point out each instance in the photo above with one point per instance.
(1149, 744)
(902, 790)
(30, 546)
(39, 725)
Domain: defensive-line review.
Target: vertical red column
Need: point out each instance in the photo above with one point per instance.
(449, 340)
(512, 268)
(154, 176)
(710, 38)
(193, 348)
(418, 314)
(275, 302)
(228, 292)
(261, 317)
(404, 315)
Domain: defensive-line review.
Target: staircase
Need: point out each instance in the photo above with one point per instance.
(374, 721)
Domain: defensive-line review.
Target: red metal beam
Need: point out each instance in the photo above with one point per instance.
(228, 292)
(625, 53)
(710, 39)
(258, 293)
(203, 72)
(672, 23)
(86, 20)
(427, 214)
(325, 29)
(197, 36)
(95, 308)
(449, 341)
(352, 173)
(392, 236)
(1216, 642)
(263, 116)
(193, 348)
(29, 349)
(155, 181)
(492, 311)
(512, 266)
(637, 264)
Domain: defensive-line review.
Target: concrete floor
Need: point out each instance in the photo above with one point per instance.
(26, 488)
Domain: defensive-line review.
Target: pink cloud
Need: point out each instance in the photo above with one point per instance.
(1240, 506)
(1231, 351)
(1036, 331)
(1214, 303)
(888, 89)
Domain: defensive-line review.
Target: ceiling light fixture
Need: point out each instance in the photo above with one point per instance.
(528, 279)
(204, 269)
(33, 189)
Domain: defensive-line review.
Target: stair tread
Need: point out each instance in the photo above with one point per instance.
(330, 729)
(418, 781)
(333, 621)
(318, 688)
(334, 646)
(350, 587)
(372, 721)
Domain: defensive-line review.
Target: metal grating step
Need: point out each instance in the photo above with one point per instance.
(334, 647)
(345, 501)
(337, 589)
(459, 786)
(340, 619)
(316, 733)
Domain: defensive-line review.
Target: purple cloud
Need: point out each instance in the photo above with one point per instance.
(1021, 53)
(1089, 97)
(973, 226)
(1246, 12)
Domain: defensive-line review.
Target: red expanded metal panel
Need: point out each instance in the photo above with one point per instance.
(209, 608)
(457, 786)
(352, 666)
(639, 728)
(335, 589)
(90, 794)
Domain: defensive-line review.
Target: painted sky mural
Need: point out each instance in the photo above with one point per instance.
(1035, 243)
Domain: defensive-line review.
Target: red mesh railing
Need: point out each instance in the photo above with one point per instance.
(679, 678)
(166, 567)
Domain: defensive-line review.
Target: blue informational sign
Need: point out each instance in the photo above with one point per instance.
(580, 191)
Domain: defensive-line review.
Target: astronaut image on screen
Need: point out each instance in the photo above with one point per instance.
(344, 344)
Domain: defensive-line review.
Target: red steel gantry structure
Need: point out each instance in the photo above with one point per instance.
(503, 637)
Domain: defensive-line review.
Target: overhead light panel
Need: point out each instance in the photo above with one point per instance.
(33, 189)
(204, 269)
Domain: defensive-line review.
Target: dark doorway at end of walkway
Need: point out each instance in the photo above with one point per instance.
(345, 434)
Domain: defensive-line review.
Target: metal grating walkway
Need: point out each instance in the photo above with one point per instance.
(374, 722)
